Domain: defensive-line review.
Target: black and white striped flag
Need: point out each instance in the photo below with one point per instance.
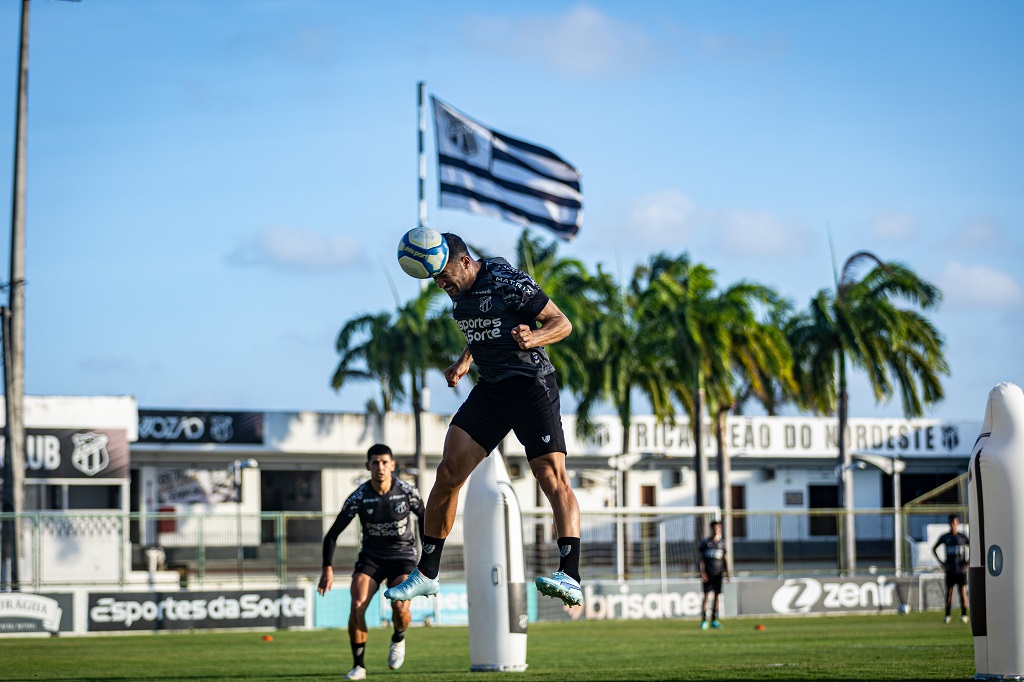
(483, 171)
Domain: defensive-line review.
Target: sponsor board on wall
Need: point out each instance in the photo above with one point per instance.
(632, 600)
(74, 453)
(140, 611)
(450, 607)
(193, 427)
(23, 612)
(814, 595)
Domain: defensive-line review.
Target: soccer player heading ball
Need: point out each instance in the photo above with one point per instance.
(498, 309)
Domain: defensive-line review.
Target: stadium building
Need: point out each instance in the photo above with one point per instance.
(169, 499)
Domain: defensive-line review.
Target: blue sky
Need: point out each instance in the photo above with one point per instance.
(216, 187)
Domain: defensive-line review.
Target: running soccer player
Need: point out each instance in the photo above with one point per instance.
(498, 309)
(713, 566)
(388, 552)
(954, 561)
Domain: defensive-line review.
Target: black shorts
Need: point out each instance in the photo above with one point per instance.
(383, 569)
(954, 578)
(713, 584)
(528, 406)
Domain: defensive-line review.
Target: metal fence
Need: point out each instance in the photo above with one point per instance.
(60, 549)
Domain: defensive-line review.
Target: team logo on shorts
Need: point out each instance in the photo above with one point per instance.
(546, 439)
(402, 507)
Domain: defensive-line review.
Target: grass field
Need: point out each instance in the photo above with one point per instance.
(883, 647)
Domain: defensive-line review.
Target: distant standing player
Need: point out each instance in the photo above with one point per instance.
(498, 309)
(954, 560)
(713, 567)
(388, 552)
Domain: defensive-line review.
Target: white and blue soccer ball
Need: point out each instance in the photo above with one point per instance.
(422, 253)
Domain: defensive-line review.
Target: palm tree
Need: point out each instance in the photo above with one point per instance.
(370, 351)
(420, 336)
(898, 348)
(744, 318)
(674, 300)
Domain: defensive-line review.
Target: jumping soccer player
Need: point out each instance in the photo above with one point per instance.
(388, 552)
(954, 560)
(713, 566)
(498, 309)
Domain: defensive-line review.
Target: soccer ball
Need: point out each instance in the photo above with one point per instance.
(904, 609)
(422, 253)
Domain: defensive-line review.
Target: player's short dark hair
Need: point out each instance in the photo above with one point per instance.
(716, 523)
(954, 516)
(379, 449)
(456, 247)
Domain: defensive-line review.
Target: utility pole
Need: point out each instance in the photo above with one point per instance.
(14, 328)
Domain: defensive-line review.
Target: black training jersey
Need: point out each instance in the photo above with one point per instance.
(711, 553)
(956, 551)
(387, 532)
(500, 299)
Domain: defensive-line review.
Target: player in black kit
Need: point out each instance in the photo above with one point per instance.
(713, 566)
(954, 560)
(498, 308)
(388, 552)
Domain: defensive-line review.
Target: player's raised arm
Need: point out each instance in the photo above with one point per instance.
(555, 326)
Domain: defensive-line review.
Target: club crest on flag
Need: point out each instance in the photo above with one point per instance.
(460, 136)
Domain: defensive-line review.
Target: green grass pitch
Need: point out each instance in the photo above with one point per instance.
(917, 646)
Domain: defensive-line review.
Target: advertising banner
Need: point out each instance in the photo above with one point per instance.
(140, 611)
(189, 426)
(632, 600)
(825, 595)
(75, 453)
(22, 612)
(450, 607)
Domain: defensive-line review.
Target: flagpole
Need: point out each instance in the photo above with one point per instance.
(423, 396)
(421, 90)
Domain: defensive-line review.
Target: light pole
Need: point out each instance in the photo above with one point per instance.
(236, 470)
(892, 467)
(848, 546)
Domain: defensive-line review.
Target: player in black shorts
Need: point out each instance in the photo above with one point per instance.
(954, 560)
(713, 566)
(388, 552)
(498, 308)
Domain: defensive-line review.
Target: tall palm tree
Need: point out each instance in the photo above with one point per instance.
(744, 318)
(863, 322)
(432, 340)
(674, 299)
(386, 347)
(370, 351)
(619, 359)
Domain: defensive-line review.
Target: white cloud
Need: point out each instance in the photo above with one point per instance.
(982, 233)
(670, 218)
(582, 41)
(297, 250)
(979, 286)
(760, 233)
(664, 216)
(898, 227)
